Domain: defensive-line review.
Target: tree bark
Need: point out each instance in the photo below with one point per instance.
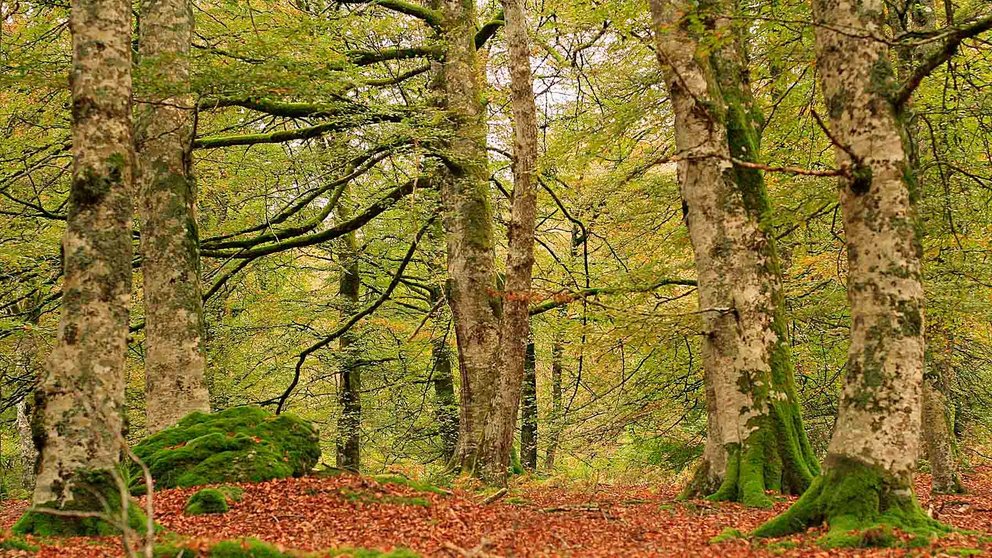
(468, 222)
(497, 440)
(174, 330)
(939, 447)
(755, 439)
(529, 412)
(28, 453)
(867, 481)
(939, 440)
(445, 401)
(557, 404)
(81, 394)
(350, 389)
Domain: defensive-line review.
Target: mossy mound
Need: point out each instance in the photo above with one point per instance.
(862, 506)
(208, 500)
(241, 444)
(254, 548)
(93, 492)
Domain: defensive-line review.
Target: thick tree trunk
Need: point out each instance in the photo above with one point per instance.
(81, 394)
(350, 388)
(174, 330)
(528, 412)
(867, 480)
(497, 440)
(557, 407)
(468, 223)
(755, 441)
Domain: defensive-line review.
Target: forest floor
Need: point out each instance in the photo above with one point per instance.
(533, 519)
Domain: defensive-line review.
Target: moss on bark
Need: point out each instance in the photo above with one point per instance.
(96, 498)
(862, 505)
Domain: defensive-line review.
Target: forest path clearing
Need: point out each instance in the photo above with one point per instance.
(317, 513)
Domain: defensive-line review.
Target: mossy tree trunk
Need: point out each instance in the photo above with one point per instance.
(174, 329)
(468, 222)
(501, 418)
(350, 386)
(81, 393)
(529, 411)
(755, 440)
(445, 401)
(867, 481)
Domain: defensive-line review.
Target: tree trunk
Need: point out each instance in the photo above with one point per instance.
(468, 223)
(81, 394)
(557, 408)
(867, 481)
(528, 412)
(939, 447)
(939, 440)
(350, 390)
(174, 330)
(28, 453)
(445, 402)
(756, 440)
(497, 441)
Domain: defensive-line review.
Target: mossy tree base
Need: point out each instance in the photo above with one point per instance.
(862, 505)
(775, 458)
(96, 498)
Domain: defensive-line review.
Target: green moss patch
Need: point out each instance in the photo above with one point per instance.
(17, 543)
(93, 492)
(241, 444)
(366, 497)
(208, 500)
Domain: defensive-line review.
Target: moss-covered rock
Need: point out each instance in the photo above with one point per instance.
(94, 492)
(208, 500)
(241, 444)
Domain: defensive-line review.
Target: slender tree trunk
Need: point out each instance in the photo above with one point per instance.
(528, 412)
(174, 330)
(445, 401)
(867, 478)
(497, 441)
(557, 408)
(756, 440)
(81, 394)
(350, 390)
(468, 222)
(28, 453)
(939, 440)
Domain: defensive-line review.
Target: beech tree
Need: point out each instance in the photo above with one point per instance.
(755, 436)
(867, 478)
(501, 419)
(170, 262)
(79, 421)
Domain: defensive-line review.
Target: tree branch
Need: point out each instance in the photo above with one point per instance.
(355, 318)
(562, 299)
(429, 16)
(940, 56)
